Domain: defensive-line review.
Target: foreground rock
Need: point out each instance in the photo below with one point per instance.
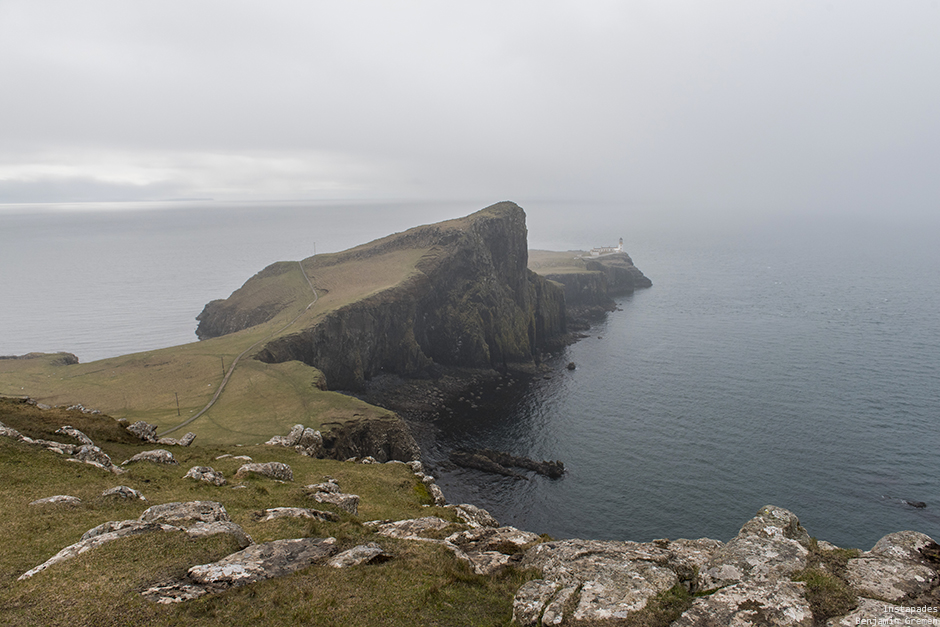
(358, 555)
(328, 492)
(256, 563)
(748, 581)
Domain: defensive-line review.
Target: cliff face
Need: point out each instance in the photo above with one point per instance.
(469, 300)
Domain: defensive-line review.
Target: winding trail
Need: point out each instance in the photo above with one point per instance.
(231, 369)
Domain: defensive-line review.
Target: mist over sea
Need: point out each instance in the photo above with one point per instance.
(791, 361)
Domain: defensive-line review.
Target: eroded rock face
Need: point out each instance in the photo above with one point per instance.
(256, 563)
(205, 473)
(272, 470)
(156, 456)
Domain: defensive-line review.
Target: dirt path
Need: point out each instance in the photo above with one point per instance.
(231, 369)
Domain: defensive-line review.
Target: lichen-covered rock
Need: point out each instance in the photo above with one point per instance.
(437, 494)
(274, 513)
(779, 603)
(329, 485)
(72, 432)
(156, 456)
(412, 529)
(272, 470)
(310, 443)
(59, 499)
(356, 556)
(143, 430)
(263, 561)
(199, 511)
(889, 579)
(205, 473)
(531, 599)
(871, 612)
(903, 545)
(123, 492)
(769, 546)
(207, 529)
(474, 516)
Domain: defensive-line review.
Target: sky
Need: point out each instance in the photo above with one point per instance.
(716, 108)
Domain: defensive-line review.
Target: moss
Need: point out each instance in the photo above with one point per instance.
(827, 591)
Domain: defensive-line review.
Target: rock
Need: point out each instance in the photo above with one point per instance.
(72, 432)
(611, 579)
(329, 485)
(889, 579)
(347, 502)
(272, 470)
(10, 432)
(186, 440)
(205, 473)
(473, 516)
(262, 561)
(296, 512)
(156, 456)
(199, 511)
(58, 447)
(416, 466)
(207, 529)
(871, 612)
(278, 440)
(93, 455)
(412, 529)
(59, 499)
(133, 528)
(243, 458)
(769, 546)
(571, 365)
(530, 600)
(143, 430)
(903, 545)
(311, 443)
(437, 494)
(124, 492)
(490, 539)
(295, 434)
(368, 459)
(778, 603)
(362, 554)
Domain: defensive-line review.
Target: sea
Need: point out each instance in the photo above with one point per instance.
(791, 360)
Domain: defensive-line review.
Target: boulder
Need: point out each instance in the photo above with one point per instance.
(186, 440)
(310, 443)
(143, 430)
(197, 511)
(473, 516)
(296, 512)
(72, 432)
(778, 603)
(272, 470)
(329, 485)
(769, 546)
(91, 454)
(156, 456)
(205, 473)
(123, 492)
(59, 499)
(437, 494)
(889, 579)
(346, 502)
(531, 599)
(903, 545)
(362, 554)
(412, 529)
(207, 529)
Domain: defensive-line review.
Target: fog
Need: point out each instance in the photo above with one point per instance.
(720, 110)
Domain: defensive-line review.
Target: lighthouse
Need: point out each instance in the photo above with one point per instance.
(620, 246)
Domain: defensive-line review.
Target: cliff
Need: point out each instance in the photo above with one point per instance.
(457, 293)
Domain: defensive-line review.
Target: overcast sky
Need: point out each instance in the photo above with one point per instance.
(751, 106)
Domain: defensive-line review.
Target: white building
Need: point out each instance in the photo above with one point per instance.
(606, 250)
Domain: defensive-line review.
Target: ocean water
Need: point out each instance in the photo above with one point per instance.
(794, 363)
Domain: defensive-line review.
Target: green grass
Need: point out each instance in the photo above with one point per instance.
(827, 591)
(102, 586)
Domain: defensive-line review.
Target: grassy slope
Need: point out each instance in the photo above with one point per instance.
(260, 400)
(101, 587)
(552, 262)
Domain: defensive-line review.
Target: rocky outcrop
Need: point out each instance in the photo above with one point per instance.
(274, 513)
(358, 555)
(123, 492)
(771, 573)
(156, 456)
(470, 301)
(329, 492)
(205, 473)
